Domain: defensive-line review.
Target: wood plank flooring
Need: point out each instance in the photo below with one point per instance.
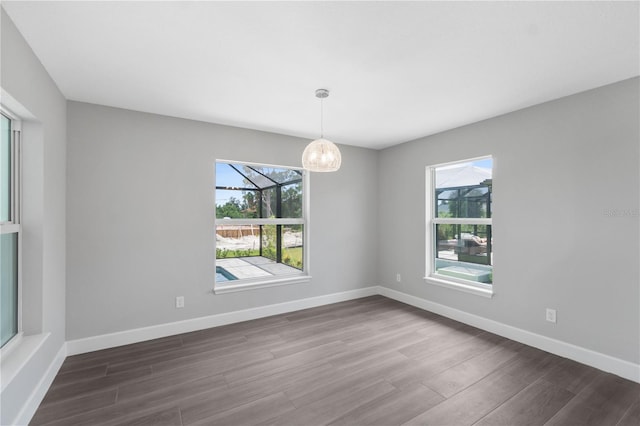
(370, 361)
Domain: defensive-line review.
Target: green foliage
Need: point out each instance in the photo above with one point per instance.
(226, 253)
(234, 208)
(292, 256)
(292, 200)
(269, 242)
(250, 203)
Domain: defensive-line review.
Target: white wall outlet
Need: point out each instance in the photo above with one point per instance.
(398, 278)
(180, 302)
(551, 315)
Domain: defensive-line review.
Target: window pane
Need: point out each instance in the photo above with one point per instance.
(465, 251)
(246, 191)
(5, 170)
(9, 286)
(464, 190)
(262, 250)
(255, 251)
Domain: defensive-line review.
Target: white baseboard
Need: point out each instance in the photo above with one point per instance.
(126, 337)
(622, 368)
(598, 360)
(617, 366)
(33, 402)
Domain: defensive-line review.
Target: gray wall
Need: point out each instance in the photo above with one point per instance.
(29, 89)
(559, 168)
(138, 205)
(140, 218)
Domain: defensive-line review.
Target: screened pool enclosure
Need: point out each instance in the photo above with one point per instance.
(462, 221)
(259, 220)
(471, 242)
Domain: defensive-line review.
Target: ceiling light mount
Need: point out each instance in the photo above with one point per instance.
(321, 155)
(322, 93)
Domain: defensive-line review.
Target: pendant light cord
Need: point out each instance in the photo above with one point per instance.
(321, 118)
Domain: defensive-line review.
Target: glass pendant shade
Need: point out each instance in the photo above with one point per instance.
(321, 155)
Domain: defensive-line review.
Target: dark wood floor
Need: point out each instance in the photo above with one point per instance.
(371, 361)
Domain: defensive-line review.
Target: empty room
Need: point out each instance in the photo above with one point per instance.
(320, 213)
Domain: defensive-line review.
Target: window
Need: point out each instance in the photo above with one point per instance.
(261, 226)
(460, 241)
(9, 228)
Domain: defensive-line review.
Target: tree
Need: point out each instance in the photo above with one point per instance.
(292, 200)
(250, 205)
(232, 209)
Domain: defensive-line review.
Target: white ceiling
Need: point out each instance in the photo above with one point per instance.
(396, 71)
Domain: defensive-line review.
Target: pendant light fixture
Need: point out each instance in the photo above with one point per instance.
(321, 155)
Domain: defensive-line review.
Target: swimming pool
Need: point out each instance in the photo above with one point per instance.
(224, 275)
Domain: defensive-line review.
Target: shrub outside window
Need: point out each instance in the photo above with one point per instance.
(260, 225)
(460, 239)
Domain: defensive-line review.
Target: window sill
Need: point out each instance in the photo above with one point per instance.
(460, 286)
(18, 354)
(244, 285)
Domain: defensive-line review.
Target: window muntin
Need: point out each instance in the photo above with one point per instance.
(460, 222)
(9, 229)
(260, 223)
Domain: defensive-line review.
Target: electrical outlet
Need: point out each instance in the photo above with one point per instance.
(180, 302)
(398, 278)
(551, 315)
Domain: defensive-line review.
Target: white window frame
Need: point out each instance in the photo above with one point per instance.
(13, 225)
(277, 280)
(431, 276)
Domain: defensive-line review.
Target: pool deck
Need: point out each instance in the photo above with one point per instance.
(254, 267)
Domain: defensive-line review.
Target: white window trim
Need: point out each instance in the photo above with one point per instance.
(252, 284)
(13, 226)
(459, 221)
(264, 282)
(16, 167)
(9, 228)
(431, 276)
(16, 354)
